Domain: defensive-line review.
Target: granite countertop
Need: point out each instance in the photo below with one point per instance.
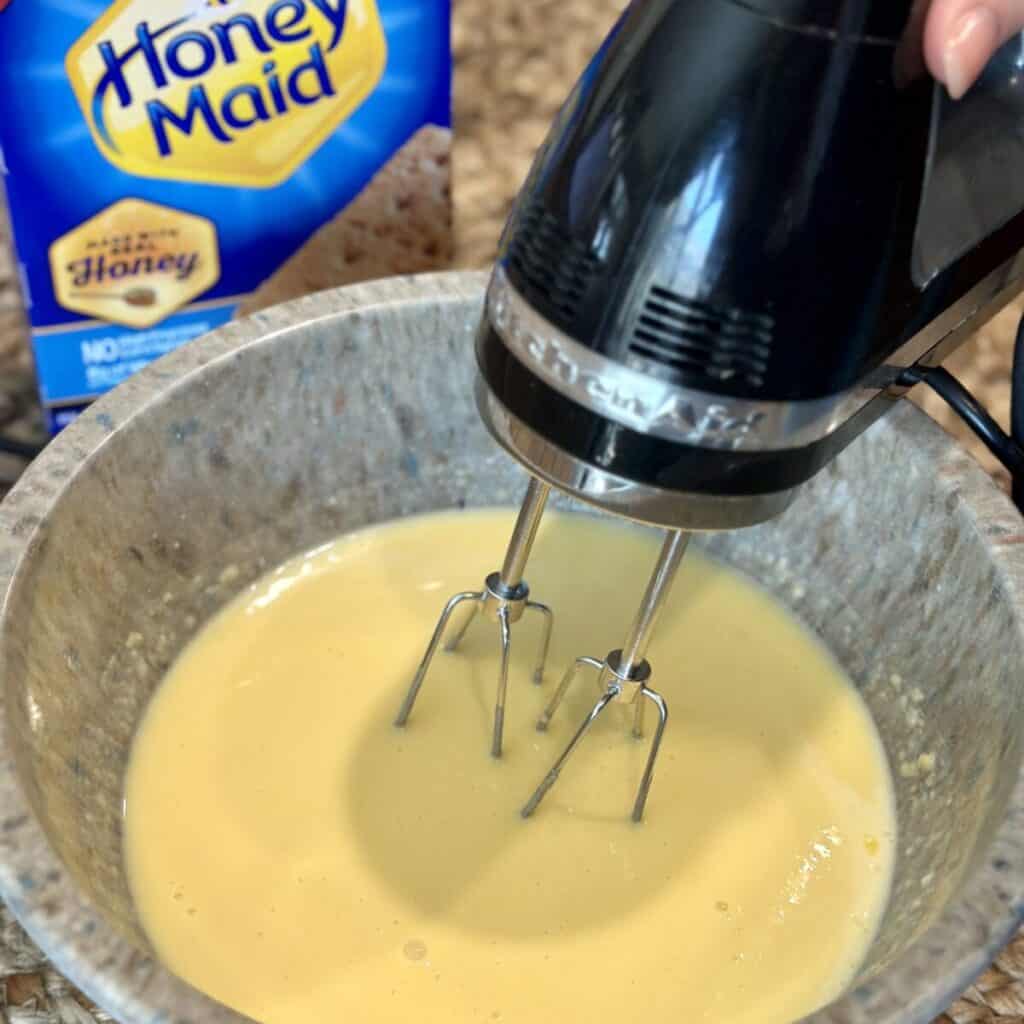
(515, 63)
(19, 411)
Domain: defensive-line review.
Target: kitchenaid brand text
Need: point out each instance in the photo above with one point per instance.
(184, 74)
(663, 411)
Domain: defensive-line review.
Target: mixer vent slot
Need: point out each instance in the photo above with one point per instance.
(699, 339)
(554, 268)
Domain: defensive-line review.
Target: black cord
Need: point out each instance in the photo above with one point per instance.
(1008, 450)
(1017, 409)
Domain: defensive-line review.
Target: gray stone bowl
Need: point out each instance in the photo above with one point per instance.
(277, 433)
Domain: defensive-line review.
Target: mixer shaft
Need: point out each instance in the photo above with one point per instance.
(504, 599)
(624, 676)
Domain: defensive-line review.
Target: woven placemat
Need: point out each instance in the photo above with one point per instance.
(515, 63)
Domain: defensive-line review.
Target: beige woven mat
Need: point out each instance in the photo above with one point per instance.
(516, 60)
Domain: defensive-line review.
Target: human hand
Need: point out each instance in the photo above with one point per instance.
(961, 35)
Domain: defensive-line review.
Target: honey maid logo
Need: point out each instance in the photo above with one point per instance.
(234, 92)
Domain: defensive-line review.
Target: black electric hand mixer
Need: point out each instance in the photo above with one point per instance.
(754, 224)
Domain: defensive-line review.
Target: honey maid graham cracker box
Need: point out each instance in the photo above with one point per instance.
(170, 164)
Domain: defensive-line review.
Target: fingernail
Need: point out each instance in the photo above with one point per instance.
(974, 38)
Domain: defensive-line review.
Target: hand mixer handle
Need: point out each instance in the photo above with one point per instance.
(749, 166)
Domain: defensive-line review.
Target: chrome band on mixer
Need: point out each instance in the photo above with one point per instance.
(648, 404)
(643, 503)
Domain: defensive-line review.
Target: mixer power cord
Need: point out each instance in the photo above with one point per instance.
(1017, 410)
(1008, 448)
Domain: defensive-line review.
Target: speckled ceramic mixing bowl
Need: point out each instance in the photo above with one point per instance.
(275, 434)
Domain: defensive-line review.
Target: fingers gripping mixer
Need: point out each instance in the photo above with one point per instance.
(749, 220)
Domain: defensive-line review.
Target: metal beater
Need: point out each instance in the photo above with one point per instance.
(505, 598)
(624, 677)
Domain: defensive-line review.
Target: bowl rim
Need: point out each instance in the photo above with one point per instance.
(130, 984)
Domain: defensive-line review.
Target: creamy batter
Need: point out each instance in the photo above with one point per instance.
(299, 858)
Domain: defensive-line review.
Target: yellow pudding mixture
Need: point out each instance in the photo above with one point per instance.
(297, 857)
